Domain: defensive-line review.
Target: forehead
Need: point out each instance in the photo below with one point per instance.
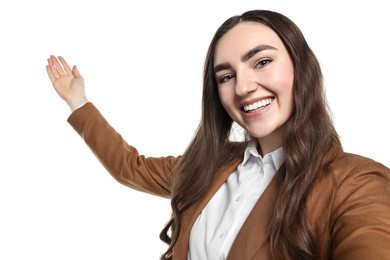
(245, 36)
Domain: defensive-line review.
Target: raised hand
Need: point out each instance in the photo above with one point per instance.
(68, 82)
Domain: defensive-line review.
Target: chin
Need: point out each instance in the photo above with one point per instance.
(273, 134)
(259, 135)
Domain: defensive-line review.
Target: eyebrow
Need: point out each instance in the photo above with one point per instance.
(247, 55)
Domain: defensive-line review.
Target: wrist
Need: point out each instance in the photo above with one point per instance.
(77, 104)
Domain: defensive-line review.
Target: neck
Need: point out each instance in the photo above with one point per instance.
(269, 143)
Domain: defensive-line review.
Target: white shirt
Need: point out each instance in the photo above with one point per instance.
(217, 226)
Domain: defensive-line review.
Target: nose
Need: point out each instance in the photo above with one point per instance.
(245, 83)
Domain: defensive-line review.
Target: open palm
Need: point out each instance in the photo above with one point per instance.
(68, 82)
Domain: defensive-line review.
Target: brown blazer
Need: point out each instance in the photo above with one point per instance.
(349, 210)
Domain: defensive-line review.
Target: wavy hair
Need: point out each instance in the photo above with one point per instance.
(307, 137)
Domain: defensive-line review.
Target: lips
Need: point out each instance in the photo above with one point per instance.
(257, 105)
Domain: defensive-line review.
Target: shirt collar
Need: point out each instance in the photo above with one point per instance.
(277, 156)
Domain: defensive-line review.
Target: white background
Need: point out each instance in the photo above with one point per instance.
(142, 62)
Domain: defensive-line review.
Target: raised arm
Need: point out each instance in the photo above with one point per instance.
(126, 165)
(67, 81)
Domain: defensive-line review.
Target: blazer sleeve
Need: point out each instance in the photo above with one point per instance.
(361, 212)
(122, 161)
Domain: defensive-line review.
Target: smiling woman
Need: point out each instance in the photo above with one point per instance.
(256, 84)
(288, 191)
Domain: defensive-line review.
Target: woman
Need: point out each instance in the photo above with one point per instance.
(287, 192)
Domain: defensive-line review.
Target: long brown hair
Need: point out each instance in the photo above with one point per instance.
(308, 136)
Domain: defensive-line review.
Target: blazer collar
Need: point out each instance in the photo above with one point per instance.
(190, 215)
(253, 235)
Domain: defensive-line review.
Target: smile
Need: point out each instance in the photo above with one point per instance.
(257, 105)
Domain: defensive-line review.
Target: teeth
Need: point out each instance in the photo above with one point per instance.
(258, 104)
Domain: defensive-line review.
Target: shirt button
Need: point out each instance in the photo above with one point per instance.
(239, 198)
(222, 235)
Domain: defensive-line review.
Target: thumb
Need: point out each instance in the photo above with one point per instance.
(76, 72)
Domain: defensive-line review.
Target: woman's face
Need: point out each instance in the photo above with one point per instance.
(255, 77)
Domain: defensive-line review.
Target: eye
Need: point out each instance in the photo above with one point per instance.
(263, 62)
(225, 78)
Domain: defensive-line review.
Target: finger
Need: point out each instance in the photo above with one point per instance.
(50, 73)
(53, 68)
(58, 66)
(65, 65)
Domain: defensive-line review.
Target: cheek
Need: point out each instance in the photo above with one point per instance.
(228, 101)
(284, 81)
(288, 96)
(225, 96)
(289, 84)
(284, 76)
(289, 101)
(283, 88)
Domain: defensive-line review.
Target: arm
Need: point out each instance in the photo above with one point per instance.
(120, 159)
(361, 213)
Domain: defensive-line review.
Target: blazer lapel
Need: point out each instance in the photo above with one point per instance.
(253, 236)
(189, 216)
